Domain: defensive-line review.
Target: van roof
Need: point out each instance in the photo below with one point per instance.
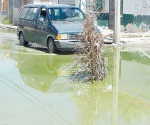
(49, 5)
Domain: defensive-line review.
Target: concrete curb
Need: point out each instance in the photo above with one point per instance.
(109, 32)
(139, 34)
(10, 27)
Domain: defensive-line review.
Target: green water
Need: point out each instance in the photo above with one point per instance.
(36, 88)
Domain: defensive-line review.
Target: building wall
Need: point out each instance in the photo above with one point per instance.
(17, 6)
(46, 1)
(136, 15)
(14, 8)
(2, 13)
(70, 2)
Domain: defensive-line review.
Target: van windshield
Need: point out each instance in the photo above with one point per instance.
(66, 14)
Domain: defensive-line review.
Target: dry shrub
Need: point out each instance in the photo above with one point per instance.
(89, 63)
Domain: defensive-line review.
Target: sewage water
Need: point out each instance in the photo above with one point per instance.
(35, 88)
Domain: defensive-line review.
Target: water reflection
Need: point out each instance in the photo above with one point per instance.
(115, 85)
(133, 88)
(94, 102)
(121, 99)
(42, 71)
(97, 104)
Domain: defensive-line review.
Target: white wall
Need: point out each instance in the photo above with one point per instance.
(136, 7)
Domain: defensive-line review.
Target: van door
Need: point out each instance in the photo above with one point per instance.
(42, 26)
(30, 25)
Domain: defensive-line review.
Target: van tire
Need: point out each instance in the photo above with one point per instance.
(22, 40)
(51, 46)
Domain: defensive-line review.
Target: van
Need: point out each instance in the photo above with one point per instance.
(55, 26)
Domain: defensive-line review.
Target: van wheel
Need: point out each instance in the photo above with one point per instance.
(22, 40)
(51, 46)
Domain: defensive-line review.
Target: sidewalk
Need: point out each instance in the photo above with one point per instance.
(139, 38)
(11, 27)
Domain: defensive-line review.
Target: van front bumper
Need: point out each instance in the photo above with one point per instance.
(65, 45)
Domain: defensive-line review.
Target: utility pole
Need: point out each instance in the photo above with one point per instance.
(83, 5)
(117, 22)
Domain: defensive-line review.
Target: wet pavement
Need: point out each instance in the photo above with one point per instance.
(36, 87)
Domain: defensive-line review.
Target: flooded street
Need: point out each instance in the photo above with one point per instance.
(36, 87)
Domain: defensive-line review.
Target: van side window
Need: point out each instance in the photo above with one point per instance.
(24, 13)
(42, 15)
(31, 13)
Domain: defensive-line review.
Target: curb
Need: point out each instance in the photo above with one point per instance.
(132, 35)
(10, 27)
(109, 32)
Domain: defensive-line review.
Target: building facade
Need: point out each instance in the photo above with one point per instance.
(5, 8)
(134, 16)
(11, 8)
(17, 6)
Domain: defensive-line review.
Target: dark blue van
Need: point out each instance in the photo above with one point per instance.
(56, 26)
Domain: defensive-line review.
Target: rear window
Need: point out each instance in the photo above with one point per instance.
(31, 13)
(28, 13)
(23, 13)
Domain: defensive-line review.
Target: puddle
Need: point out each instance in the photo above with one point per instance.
(36, 89)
